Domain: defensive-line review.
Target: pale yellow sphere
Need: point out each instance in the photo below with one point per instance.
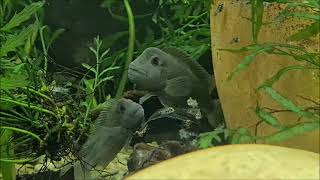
(250, 161)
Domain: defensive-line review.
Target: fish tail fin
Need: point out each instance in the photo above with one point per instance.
(81, 171)
(215, 115)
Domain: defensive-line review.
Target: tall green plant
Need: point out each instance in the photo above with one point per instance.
(100, 76)
(131, 41)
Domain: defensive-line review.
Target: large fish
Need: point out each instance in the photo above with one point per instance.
(174, 77)
(112, 130)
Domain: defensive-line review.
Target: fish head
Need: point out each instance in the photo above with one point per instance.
(149, 70)
(131, 113)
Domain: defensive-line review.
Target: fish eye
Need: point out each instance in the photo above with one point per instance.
(122, 108)
(155, 61)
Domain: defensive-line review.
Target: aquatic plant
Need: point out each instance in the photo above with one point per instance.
(39, 114)
(131, 41)
(310, 11)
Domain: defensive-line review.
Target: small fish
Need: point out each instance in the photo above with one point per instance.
(174, 77)
(112, 130)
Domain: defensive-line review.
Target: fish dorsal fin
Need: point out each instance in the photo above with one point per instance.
(195, 67)
(105, 117)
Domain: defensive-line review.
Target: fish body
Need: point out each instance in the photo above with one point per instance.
(174, 77)
(111, 132)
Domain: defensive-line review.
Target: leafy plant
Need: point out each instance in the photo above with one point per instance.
(101, 75)
(310, 10)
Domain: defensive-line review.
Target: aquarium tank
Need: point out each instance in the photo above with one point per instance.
(103, 89)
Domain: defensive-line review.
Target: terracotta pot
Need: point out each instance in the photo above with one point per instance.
(230, 29)
(237, 162)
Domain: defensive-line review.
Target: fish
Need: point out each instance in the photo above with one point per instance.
(118, 120)
(173, 76)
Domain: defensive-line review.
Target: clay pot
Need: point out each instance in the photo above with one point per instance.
(230, 29)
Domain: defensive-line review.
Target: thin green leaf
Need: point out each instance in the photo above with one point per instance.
(242, 135)
(269, 82)
(307, 32)
(7, 169)
(32, 38)
(290, 132)
(13, 82)
(90, 68)
(246, 61)
(268, 118)
(18, 161)
(22, 16)
(256, 18)
(314, 3)
(107, 70)
(27, 105)
(104, 54)
(243, 49)
(89, 86)
(14, 41)
(286, 103)
(104, 79)
(205, 139)
(22, 131)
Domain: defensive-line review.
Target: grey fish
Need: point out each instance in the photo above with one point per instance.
(173, 76)
(112, 130)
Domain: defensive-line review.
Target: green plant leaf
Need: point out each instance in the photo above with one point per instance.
(256, 18)
(286, 103)
(247, 60)
(205, 139)
(307, 32)
(242, 135)
(14, 41)
(22, 131)
(27, 105)
(13, 82)
(90, 68)
(296, 130)
(32, 38)
(89, 86)
(314, 3)
(104, 79)
(22, 16)
(243, 49)
(269, 82)
(268, 118)
(107, 70)
(7, 169)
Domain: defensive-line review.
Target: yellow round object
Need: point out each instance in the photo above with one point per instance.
(249, 161)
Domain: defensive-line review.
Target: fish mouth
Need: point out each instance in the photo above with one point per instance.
(134, 71)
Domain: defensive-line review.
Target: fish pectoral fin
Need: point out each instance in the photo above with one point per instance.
(179, 86)
(145, 98)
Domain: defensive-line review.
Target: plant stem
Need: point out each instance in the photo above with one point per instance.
(40, 94)
(22, 131)
(124, 77)
(30, 106)
(44, 49)
(8, 169)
